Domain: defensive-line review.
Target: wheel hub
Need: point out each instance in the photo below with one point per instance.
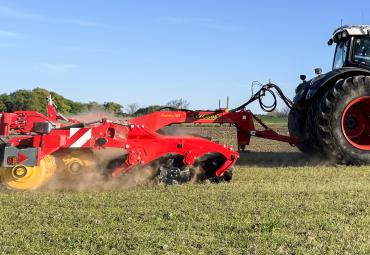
(74, 167)
(351, 123)
(78, 162)
(19, 172)
(356, 123)
(170, 174)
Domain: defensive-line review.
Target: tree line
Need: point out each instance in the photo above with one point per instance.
(36, 100)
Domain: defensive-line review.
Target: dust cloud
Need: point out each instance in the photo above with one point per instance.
(96, 115)
(95, 181)
(97, 177)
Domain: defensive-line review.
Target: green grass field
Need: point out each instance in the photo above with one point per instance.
(279, 202)
(264, 210)
(271, 120)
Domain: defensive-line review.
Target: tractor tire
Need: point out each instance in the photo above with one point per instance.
(312, 126)
(298, 128)
(343, 121)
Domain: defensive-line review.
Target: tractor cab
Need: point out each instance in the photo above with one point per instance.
(353, 47)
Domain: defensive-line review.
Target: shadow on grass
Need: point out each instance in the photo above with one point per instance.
(280, 159)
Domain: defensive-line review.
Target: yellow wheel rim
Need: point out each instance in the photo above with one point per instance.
(29, 178)
(78, 162)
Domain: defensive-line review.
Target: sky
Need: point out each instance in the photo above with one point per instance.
(150, 52)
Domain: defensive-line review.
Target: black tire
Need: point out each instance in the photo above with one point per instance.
(329, 120)
(298, 128)
(312, 126)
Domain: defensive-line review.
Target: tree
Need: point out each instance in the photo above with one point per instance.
(77, 107)
(2, 107)
(282, 113)
(6, 103)
(94, 106)
(114, 108)
(24, 100)
(61, 103)
(132, 108)
(36, 100)
(148, 109)
(178, 104)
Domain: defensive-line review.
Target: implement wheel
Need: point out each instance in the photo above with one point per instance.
(22, 177)
(344, 120)
(78, 162)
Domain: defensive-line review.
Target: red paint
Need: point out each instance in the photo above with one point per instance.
(21, 158)
(356, 123)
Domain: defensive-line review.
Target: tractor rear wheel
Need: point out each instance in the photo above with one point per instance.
(344, 121)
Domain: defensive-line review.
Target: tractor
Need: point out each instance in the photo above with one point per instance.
(331, 113)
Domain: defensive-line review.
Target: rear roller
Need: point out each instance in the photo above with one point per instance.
(171, 170)
(22, 177)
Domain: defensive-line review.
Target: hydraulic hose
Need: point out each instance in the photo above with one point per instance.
(269, 88)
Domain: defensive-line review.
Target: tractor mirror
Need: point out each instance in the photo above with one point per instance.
(303, 77)
(318, 71)
(330, 42)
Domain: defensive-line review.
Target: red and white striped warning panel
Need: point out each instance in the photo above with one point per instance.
(78, 137)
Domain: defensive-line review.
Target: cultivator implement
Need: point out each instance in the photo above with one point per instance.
(34, 148)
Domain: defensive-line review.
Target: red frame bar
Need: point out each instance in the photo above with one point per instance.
(243, 120)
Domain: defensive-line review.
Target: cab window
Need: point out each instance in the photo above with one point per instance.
(340, 54)
(361, 51)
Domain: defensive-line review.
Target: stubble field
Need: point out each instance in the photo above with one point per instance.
(280, 202)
